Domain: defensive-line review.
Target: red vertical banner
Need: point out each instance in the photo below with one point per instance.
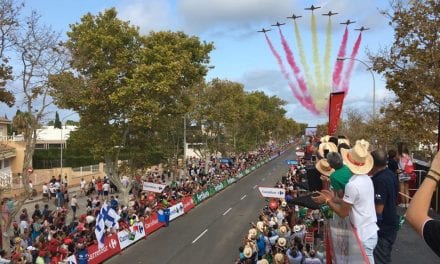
(335, 110)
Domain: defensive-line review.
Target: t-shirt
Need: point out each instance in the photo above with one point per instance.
(359, 192)
(106, 187)
(385, 192)
(340, 177)
(82, 184)
(45, 189)
(431, 231)
(82, 256)
(312, 261)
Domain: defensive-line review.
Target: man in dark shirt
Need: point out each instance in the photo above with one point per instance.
(385, 194)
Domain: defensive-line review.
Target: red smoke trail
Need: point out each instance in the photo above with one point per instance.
(346, 81)
(287, 76)
(295, 68)
(339, 65)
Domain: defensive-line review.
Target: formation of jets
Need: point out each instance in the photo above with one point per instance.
(312, 8)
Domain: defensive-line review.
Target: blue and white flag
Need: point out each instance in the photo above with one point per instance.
(107, 218)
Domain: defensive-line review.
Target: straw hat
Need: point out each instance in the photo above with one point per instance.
(358, 159)
(283, 204)
(324, 168)
(297, 228)
(263, 261)
(325, 139)
(283, 229)
(282, 242)
(260, 226)
(331, 147)
(247, 252)
(279, 258)
(253, 232)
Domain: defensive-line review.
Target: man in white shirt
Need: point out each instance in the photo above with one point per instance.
(358, 200)
(82, 185)
(45, 192)
(106, 189)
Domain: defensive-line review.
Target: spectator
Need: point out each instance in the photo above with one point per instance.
(342, 174)
(417, 213)
(385, 193)
(406, 169)
(82, 185)
(312, 259)
(74, 205)
(45, 191)
(294, 256)
(3, 259)
(358, 201)
(106, 189)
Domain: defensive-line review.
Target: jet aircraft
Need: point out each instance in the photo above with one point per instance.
(348, 22)
(263, 30)
(293, 17)
(362, 29)
(278, 24)
(312, 8)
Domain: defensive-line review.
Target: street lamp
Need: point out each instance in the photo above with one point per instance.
(61, 143)
(369, 68)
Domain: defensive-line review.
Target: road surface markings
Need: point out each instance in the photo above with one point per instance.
(197, 238)
(227, 211)
(255, 187)
(263, 179)
(244, 196)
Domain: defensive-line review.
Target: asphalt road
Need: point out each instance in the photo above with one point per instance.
(211, 232)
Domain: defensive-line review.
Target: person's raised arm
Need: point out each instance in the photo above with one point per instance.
(417, 213)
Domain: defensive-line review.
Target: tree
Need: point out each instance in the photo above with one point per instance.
(411, 65)
(57, 122)
(123, 83)
(9, 25)
(39, 53)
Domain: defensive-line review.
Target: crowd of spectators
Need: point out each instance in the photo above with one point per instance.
(46, 236)
(286, 232)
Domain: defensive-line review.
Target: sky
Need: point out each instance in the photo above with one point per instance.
(241, 53)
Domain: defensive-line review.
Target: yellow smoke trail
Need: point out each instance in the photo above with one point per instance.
(320, 99)
(327, 67)
(302, 58)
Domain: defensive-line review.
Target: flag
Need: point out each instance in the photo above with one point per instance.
(107, 218)
(335, 109)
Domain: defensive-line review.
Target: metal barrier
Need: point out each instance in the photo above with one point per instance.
(87, 170)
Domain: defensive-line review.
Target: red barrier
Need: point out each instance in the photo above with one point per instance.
(152, 224)
(188, 204)
(111, 248)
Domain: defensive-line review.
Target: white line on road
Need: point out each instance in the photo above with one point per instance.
(227, 211)
(244, 196)
(255, 187)
(197, 238)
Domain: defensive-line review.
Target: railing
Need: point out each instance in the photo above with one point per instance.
(87, 170)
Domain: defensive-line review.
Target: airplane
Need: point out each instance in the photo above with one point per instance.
(263, 30)
(348, 22)
(312, 8)
(330, 14)
(361, 29)
(278, 24)
(293, 17)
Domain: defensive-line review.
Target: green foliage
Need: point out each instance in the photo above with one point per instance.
(411, 66)
(57, 122)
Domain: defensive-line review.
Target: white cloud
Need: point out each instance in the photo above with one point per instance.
(148, 15)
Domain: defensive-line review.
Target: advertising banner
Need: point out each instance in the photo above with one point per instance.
(188, 204)
(218, 187)
(335, 109)
(240, 175)
(176, 211)
(153, 187)
(202, 196)
(272, 192)
(111, 248)
(152, 223)
(231, 180)
(137, 231)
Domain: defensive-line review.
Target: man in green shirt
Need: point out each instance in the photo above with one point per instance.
(341, 175)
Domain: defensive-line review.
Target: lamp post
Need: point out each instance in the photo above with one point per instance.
(61, 144)
(372, 75)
